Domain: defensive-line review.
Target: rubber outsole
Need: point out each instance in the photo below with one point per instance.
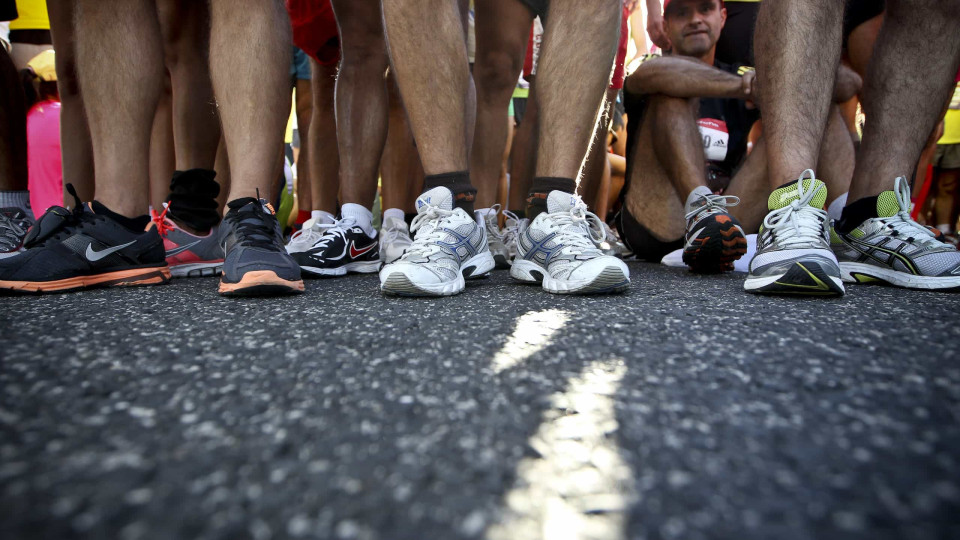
(399, 284)
(261, 283)
(612, 279)
(208, 269)
(152, 275)
(800, 279)
(720, 243)
(367, 267)
(870, 274)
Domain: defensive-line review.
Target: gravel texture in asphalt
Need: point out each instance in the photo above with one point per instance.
(684, 409)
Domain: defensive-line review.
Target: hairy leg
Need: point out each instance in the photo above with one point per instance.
(908, 81)
(400, 167)
(429, 59)
(523, 153)
(250, 62)
(304, 108)
(120, 59)
(580, 43)
(751, 186)
(162, 147)
(13, 128)
(502, 28)
(324, 162)
(361, 99)
(596, 167)
(837, 158)
(797, 49)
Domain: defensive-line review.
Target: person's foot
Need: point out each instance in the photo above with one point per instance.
(394, 239)
(342, 247)
(89, 246)
(189, 255)
(512, 227)
(495, 239)
(559, 250)
(714, 238)
(449, 246)
(895, 249)
(793, 246)
(14, 223)
(255, 262)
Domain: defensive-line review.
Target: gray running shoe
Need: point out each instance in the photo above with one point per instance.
(895, 249)
(495, 239)
(394, 239)
(14, 223)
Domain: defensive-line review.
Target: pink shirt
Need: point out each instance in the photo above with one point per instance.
(43, 156)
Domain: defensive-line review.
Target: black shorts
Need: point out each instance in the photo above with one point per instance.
(538, 7)
(641, 241)
(735, 45)
(8, 10)
(859, 12)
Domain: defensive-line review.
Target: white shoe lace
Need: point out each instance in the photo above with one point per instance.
(714, 204)
(395, 234)
(798, 224)
(901, 224)
(493, 227)
(572, 225)
(427, 228)
(511, 228)
(309, 235)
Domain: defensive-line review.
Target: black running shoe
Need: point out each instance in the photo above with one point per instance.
(89, 246)
(255, 262)
(342, 247)
(14, 223)
(714, 238)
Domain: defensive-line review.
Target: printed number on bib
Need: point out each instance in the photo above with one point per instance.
(716, 138)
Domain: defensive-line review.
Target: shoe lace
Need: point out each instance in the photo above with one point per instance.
(310, 235)
(13, 227)
(395, 233)
(713, 204)
(493, 227)
(511, 227)
(571, 225)
(160, 220)
(798, 222)
(329, 231)
(254, 228)
(902, 225)
(427, 227)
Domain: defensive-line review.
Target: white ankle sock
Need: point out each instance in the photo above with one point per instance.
(320, 216)
(835, 209)
(361, 215)
(694, 197)
(394, 213)
(944, 228)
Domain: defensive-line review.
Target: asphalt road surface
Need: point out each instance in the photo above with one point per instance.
(685, 409)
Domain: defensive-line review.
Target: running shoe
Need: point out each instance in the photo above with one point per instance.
(793, 246)
(255, 261)
(14, 223)
(512, 227)
(189, 255)
(714, 238)
(89, 246)
(449, 246)
(307, 236)
(495, 239)
(611, 244)
(342, 247)
(559, 250)
(394, 239)
(895, 249)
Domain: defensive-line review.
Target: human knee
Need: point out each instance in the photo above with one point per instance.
(496, 73)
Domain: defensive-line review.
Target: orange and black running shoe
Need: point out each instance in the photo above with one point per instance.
(714, 238)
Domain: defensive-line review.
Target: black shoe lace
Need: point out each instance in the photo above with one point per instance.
(13, 227)
(253, 225)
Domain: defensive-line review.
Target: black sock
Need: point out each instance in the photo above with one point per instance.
(136, 224)
(193, 198)
(458, 183)
(541, 188)
(856, 213)
(408, 217)
(521, 214)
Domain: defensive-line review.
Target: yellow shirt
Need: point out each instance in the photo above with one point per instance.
(951, 122)
(33, 16)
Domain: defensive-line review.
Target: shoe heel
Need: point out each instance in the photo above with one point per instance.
(478, 266)
(526, 271)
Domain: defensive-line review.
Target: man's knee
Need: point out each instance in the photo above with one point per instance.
(496, 71)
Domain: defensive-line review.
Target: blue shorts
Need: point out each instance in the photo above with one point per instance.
(300, 66)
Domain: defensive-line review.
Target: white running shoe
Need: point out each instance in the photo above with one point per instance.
(495, 239)
(512, 227)
(449, 246)
(307, 236)
(559, 249)
(394, 239)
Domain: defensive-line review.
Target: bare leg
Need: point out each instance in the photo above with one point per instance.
(908, 81)
(400, 167)
(502, 28)
(324, 162)
(304, 107)
(75, 145)
(797, 48)
(946, 201)
(13, 128)
(596, 165)
(120, 57)
(249, 62)
(523, 154)
(362, 99)
(836, 161)
(162, 147)
(430, 62)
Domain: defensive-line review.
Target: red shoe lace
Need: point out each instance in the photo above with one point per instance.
(161, 221)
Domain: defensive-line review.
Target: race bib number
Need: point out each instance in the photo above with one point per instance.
(715, 138)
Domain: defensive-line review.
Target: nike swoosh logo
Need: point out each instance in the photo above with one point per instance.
(181, 249)
(94, 256)
(354, 252)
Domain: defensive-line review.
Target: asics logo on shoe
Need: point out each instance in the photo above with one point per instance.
(181, 249)
(461, 241)
(354, 252)
(790, 195)
(94, 256)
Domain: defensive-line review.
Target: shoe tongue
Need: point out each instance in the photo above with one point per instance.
(561, 201)
(439, 197)
(237, 204)
(782, 197)
(887, 204)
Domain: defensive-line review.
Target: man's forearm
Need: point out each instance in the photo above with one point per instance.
(683, 78)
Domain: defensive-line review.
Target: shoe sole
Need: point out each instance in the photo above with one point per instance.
(398, 284)
(204, 269)
(155, 275)
(261, 283)
(718, 246)
(610, 280)
(866, 273)
(367, 267)
(802, 278)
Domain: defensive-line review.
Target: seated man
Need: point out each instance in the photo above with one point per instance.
(687, 147)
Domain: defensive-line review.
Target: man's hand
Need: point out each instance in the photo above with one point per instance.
(631, 5)
(655, 25)
(748, 86)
